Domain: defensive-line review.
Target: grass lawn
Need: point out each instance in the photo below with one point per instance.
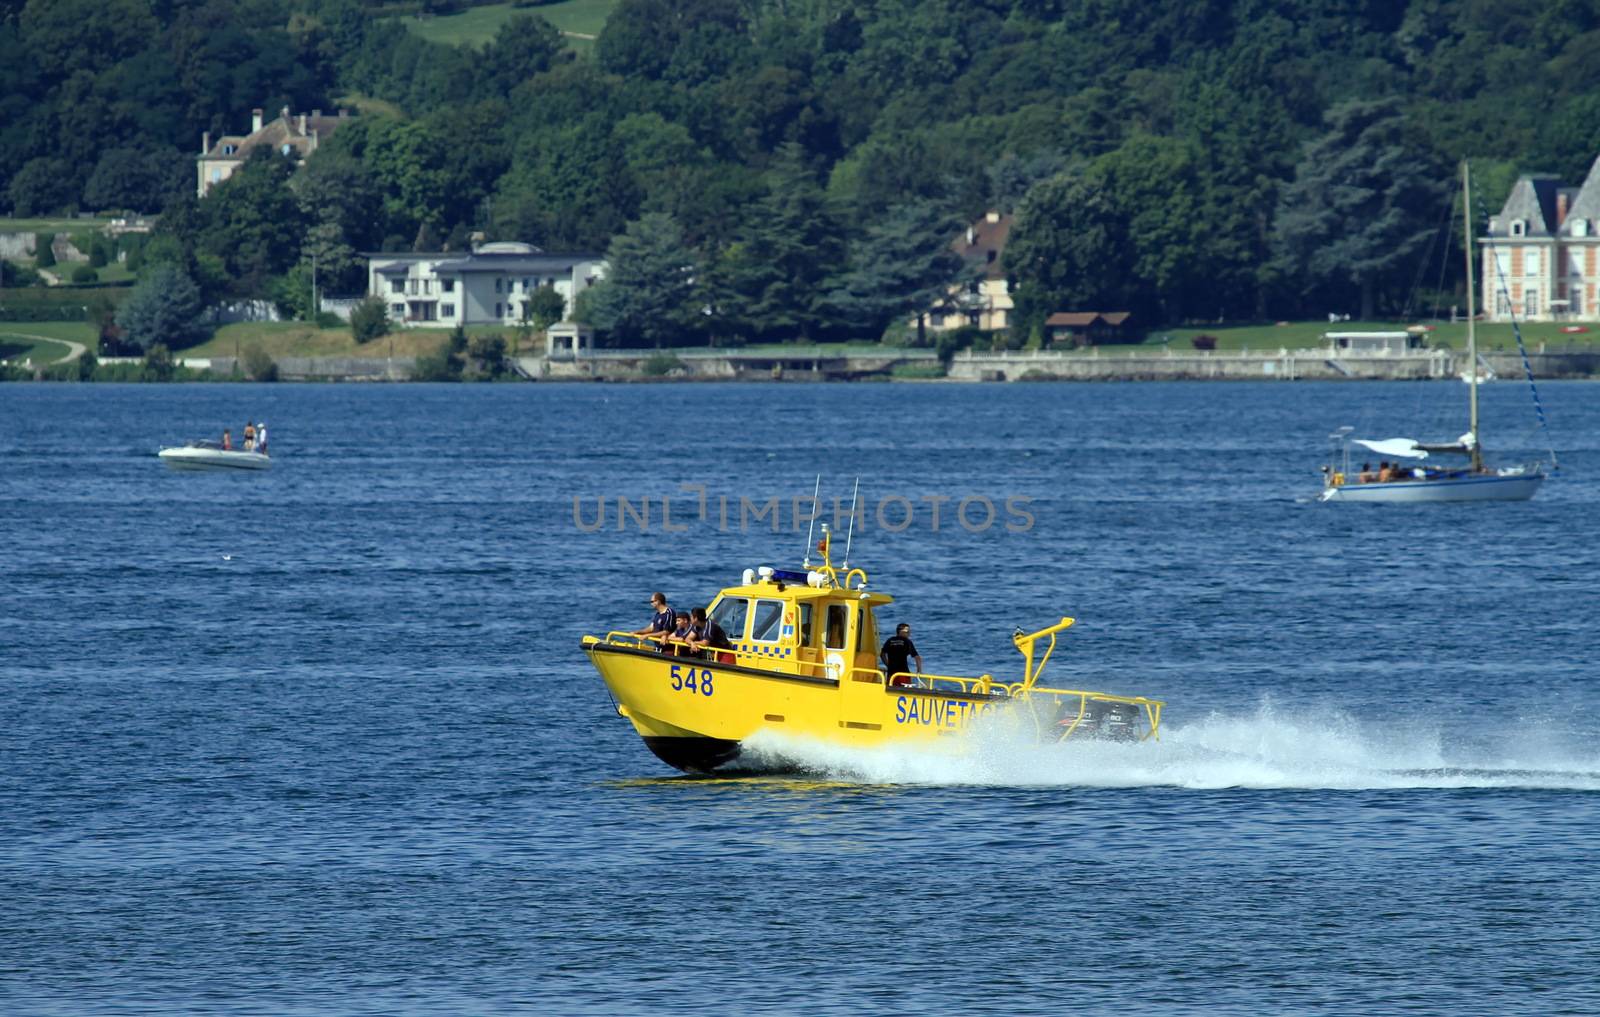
(366, 105)
(49, 225)
(477, 25)
(298, 339)
(1308, 335)
(18, 342)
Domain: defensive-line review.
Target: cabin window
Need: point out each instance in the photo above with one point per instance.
(765, 619)
(866, 634)
(729, 613)
(805, 625)
(838, 618)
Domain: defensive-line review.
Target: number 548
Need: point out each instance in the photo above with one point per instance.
(691, 679)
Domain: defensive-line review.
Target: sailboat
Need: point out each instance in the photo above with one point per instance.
(1417, 481)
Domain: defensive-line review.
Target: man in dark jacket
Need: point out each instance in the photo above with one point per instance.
(706, 634)
(897, 653)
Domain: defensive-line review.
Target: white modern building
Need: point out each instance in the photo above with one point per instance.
(490, 286)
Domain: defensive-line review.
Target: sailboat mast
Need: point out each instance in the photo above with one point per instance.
(1472, 332)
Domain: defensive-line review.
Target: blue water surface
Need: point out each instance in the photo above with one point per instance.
(320, 740)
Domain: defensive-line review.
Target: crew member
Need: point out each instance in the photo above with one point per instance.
(661, 619)
(897, 652)
(706, 634)
(677, 641)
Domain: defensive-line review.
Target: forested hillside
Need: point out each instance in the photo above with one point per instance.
(789, 168)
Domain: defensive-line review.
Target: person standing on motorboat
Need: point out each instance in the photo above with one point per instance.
(249, 436)
(261, 437)
(661, 619)
(897, 653)
(227, 441)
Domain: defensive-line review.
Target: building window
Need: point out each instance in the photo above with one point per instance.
(498, 313)
(1530, 304)
(1575, 304)
(447, 310)
(397, 285)
(1502, 305)
(447, 285)
(1580, 227)
(497, 284)
(1518, 227)
(1530, 261)
(399, 310)
(525, 283)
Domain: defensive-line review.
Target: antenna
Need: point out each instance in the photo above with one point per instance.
(852, 532)
(812, 528)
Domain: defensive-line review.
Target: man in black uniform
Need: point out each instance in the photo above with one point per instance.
(898, 651)
(708, 635)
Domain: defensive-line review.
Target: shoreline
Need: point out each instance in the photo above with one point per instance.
(916, 367)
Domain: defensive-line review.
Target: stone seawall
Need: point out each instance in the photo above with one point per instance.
(1283, 365)
(713, 365)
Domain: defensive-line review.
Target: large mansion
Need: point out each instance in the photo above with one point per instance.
(293, 136)
(489, 286)
(1539, 256)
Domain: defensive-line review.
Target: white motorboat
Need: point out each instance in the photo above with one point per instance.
(1475, 480)
(209, 455)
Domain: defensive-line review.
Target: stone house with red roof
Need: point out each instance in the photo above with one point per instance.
(295, 136)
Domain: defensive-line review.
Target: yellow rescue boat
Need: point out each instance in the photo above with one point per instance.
(804, 664)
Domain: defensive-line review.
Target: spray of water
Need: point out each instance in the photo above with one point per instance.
(1267, 749)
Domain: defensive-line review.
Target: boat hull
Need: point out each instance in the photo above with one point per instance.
(1492, 487)
(666, 700)
(213, 459)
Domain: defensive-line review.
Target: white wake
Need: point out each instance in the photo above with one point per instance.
(1265, 750)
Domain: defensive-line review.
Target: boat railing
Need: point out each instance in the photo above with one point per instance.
(1151, 707)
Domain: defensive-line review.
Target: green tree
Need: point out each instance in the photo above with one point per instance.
(134, 178)
(163, 309)
(1364, 201)
(369, 320)
(526, 45)
(901, 265)
(1069, 249)
(41, 186)
(788, 246)
(545, 307)
(44, 250)
(253, 223)
(647, 295)
(158, 364)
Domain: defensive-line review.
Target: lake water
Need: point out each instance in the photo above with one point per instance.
(321, 740)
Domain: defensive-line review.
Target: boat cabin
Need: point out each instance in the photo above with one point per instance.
(778, 622)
